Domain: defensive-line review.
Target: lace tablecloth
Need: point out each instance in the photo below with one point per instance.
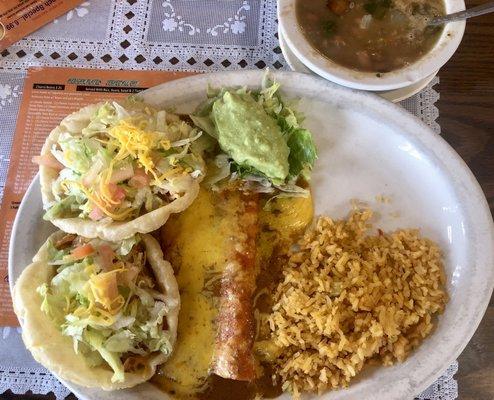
(205, 35)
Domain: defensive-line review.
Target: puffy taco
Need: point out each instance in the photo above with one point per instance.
(97, 313)
(111, 170)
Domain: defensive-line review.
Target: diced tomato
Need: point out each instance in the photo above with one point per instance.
(48, 160)
(140, 179)
(106, 256)
(82, 251)
(96, 214)
(117, 193)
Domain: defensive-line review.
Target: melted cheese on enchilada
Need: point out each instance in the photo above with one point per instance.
(202, 243)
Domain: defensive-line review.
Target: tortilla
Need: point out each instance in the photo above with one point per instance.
(233, 355)
(55, 351)
(106, 229)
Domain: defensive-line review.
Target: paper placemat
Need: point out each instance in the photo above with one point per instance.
(18, 18)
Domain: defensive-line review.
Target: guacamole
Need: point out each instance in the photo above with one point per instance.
(256, 138)
(250, 136)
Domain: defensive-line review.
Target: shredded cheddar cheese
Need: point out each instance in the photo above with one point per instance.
(104, 187)
(105, 291)
(99, 202)
(128, 155)
(134, 141)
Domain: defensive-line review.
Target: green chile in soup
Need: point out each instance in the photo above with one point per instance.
(370, 35)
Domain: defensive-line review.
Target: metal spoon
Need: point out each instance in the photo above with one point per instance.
(471, 12)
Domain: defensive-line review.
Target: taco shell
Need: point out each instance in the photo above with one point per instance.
(55, 351)
(113, 231)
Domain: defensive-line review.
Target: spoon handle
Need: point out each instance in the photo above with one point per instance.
(471, 12)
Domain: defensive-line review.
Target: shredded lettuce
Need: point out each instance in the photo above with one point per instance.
(107, 305)
(131, 145)
(61, 208)
(96, 341)
(126, 245)
(52, 304)
(76, 152)
(54, 254)
(120, 342)
(302, 151)
(105, 116)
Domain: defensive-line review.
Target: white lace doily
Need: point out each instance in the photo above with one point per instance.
(206, 35)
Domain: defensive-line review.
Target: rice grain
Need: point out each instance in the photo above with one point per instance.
(347, 297)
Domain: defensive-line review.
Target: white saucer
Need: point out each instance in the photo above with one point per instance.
(395, 95)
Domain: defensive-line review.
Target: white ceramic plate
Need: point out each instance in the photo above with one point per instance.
(367, 147)
(395, 95)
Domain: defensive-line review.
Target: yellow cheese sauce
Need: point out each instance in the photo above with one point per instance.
(282, 221)
(198, 243)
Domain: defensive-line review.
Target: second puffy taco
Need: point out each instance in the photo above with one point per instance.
(97, 313)
(111, 170)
